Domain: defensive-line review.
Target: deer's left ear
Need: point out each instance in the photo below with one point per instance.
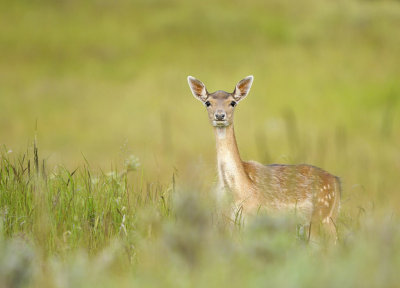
(243, 88)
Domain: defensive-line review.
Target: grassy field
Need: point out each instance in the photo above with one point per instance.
(118, 193)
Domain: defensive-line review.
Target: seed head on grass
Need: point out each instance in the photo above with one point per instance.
(131, 163)
(112, 175)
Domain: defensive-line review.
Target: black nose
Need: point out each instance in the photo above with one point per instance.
(220, 116)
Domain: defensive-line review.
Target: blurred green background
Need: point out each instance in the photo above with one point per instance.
(107, 79)
(100, 81)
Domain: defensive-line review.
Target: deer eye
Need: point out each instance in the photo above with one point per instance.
(207, 103)
(233, 103)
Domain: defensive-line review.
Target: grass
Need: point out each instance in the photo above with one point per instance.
(101, 82)
(91, 209)
(65, 228)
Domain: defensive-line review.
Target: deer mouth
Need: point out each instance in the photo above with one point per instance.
(220, 123)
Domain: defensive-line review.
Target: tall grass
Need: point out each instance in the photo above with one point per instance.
(66, 210)
(63, 228)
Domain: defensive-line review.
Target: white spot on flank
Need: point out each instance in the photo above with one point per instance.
(324, 187)
(329, 186)
(325, 220)
(326, 203)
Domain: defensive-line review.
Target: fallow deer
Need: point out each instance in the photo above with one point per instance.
(311, 192)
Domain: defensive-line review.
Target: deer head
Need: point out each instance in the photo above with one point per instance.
(220, 104)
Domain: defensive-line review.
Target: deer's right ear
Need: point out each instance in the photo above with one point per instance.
(198, 88)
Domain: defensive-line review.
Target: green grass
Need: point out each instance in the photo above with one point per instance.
(66, 229)
(101, 81)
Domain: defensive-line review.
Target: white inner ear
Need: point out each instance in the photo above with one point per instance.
(198, 88)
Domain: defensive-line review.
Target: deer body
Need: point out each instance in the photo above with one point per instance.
(310, 192)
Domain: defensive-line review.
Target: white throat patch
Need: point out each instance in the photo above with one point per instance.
(221, 132)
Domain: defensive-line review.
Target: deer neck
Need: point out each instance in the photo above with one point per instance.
(230, 167)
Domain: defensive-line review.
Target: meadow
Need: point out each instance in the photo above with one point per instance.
(107, 162)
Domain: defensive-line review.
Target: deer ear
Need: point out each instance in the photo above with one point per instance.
(198, 88)
(243, 88)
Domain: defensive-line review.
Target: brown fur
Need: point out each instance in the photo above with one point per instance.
(310, 192)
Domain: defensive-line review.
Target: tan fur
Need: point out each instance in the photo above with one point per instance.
(310, 192)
